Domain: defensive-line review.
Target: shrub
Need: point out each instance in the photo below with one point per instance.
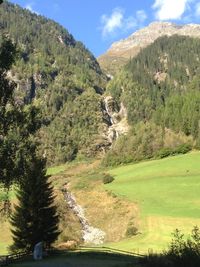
(131, 230)
(167, 151)
(183, 149)
(164, 152)
(108, 179)
(182, 252)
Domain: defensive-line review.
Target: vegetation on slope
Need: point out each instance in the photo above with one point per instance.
(147, 141)
(160, 87)
(62, 77)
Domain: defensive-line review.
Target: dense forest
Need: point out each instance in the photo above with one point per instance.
(160, 89)
(61, 77)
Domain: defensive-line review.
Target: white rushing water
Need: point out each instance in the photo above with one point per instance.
(117, 118)
(91, 234)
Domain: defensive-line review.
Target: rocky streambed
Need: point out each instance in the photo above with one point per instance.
(90, 234)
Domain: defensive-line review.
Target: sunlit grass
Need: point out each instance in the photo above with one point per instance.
(167, 193)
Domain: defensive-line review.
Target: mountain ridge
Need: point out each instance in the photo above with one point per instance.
(121, 51)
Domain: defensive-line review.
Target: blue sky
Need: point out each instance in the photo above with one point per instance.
(98, 23)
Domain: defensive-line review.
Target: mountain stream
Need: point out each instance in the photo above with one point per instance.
(90, 234)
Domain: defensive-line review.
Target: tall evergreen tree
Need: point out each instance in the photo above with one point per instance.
(34, 219)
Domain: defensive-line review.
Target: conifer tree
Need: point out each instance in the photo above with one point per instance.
(34, 219)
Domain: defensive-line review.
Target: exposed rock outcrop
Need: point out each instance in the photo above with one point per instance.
(116, 117)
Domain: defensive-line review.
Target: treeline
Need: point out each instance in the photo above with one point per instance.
(146, 140)
(161, 86)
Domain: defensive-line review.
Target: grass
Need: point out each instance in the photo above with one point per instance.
(160, 195)
(56, 170)
(82, 259)
(5, 237)
(167, 193)
(5, 233)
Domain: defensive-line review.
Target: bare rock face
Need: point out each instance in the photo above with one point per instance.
(120, 52)
(117, 123)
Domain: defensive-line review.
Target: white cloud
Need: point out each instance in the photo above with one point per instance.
(29, 6)
(118, 21)
(197, 13)
(170, 9)
(112, 22)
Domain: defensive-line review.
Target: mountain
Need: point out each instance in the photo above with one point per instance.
(62, 77)
(120, 52)
(160, 89)
(151, 104)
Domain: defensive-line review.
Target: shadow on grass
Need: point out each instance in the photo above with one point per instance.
(82, 259)
(161, 260)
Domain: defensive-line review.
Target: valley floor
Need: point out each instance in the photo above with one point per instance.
(167, 193)
(156, 196)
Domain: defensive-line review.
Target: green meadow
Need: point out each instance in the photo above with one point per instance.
(167, 193)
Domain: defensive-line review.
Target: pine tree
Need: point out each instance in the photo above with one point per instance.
(34, 219)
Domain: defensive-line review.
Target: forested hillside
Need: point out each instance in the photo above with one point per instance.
(157, 92)
(59, 75)
(161, 91)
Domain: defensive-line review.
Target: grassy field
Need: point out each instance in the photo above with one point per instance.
(56, 170)
(5, 234)
(167, 193)
(159, 195)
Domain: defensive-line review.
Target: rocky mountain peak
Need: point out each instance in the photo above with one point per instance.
(120, 52)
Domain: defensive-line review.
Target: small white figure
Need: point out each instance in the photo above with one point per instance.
(38, 251)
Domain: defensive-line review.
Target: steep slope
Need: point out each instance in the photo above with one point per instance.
(160, 90)
(120, 52)
(61, 76)
(168, 67)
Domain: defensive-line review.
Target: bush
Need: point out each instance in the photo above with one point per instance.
(108, 179)
(131, 230)
(164, 152)
(167, 151)
(183, 149)
(182, 252)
